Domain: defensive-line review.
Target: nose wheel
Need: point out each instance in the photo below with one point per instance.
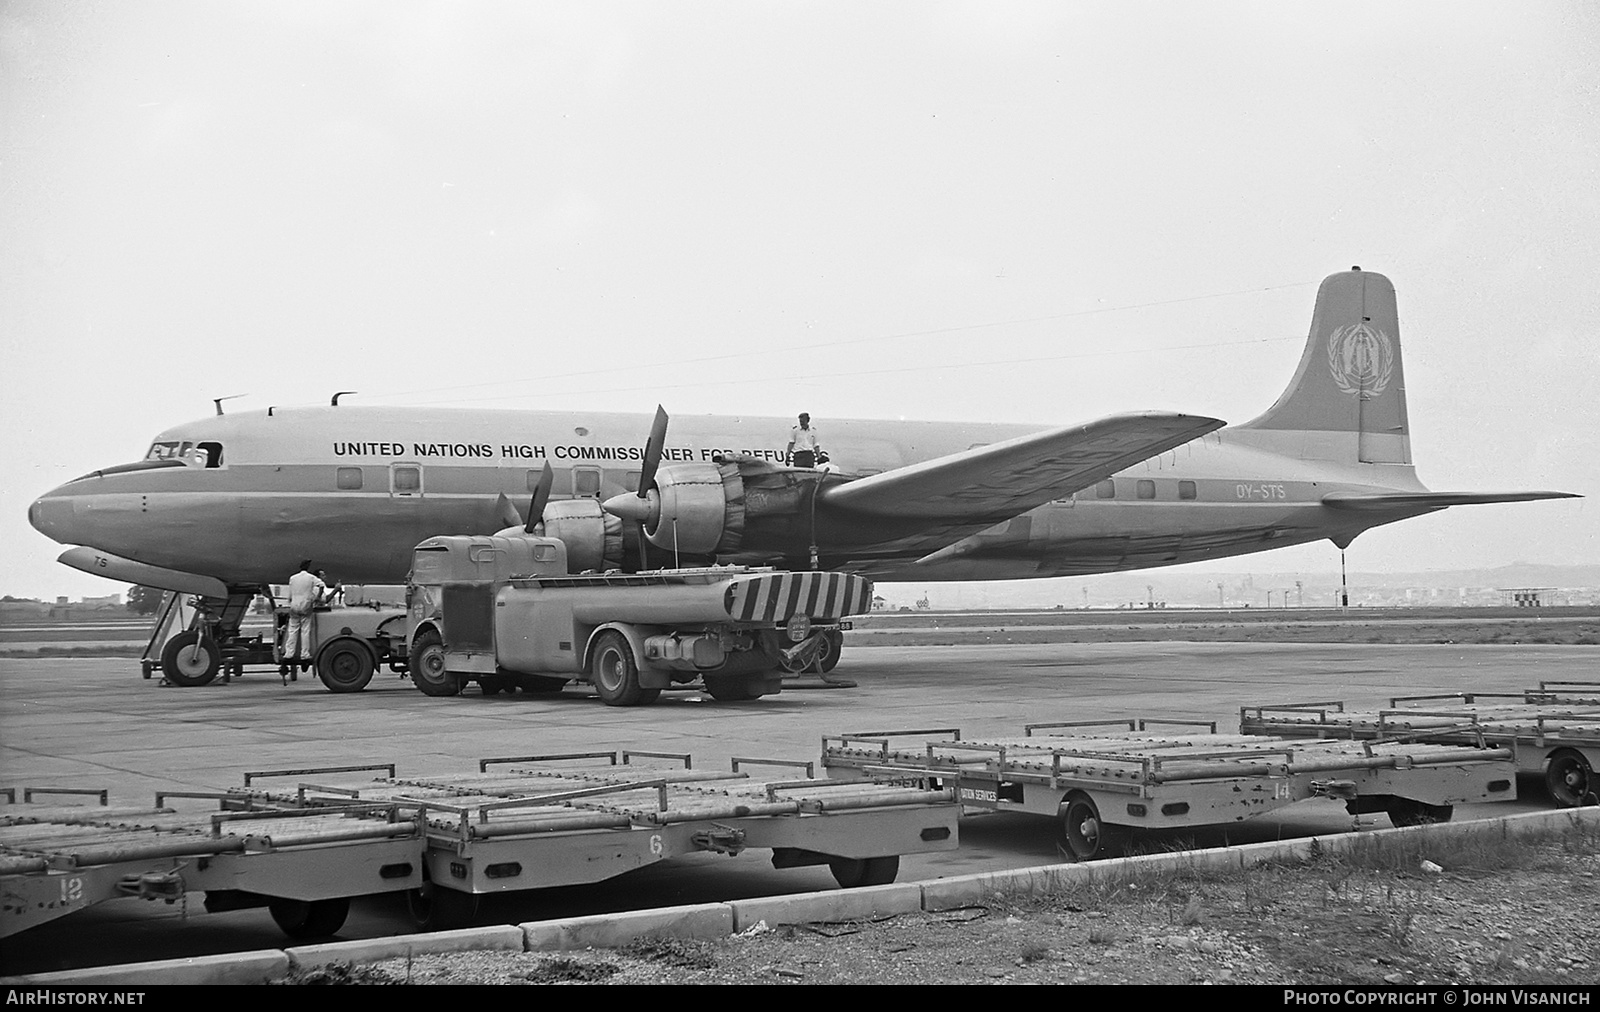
(190, 658)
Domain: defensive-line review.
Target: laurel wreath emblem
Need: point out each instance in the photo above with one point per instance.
(1360, 359)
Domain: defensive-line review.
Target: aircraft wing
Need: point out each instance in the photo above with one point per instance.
(1381, 501)
(959, 494)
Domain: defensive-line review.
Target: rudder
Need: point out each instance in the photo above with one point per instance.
(1348, 393)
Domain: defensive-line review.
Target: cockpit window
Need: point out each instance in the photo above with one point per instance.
(205, 454)
(170, 450)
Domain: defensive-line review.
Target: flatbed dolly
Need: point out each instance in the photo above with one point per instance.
(1103, 785)
(303, 865)
(520, 822)
(1554, 729)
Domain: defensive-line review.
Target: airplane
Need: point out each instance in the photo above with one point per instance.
(226, 506)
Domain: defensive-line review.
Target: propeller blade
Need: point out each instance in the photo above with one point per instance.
(541, 496)
(653, 450)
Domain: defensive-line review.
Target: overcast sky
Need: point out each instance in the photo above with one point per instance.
(967, 211)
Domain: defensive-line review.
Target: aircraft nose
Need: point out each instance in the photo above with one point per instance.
(51, 515)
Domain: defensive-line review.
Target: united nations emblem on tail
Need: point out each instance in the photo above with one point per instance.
(1360, 359)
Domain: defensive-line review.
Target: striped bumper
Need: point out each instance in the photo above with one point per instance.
(775, 597)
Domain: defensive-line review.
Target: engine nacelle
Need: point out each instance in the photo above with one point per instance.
(593, 537)
(739, 506)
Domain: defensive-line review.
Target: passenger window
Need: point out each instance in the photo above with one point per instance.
(533, 480)
(406, 480)
(1106, 490)
(585, 481)
(630, 481)
(349, 478)
(1147, 488)
(1186, 490)
(213, 453)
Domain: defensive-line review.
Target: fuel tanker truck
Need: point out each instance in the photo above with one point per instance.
(504, 611)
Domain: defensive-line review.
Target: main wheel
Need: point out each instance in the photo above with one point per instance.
(730, 688)
(190, 658)
(832, 646)
(1087, 836)
(310, 918)
(1569, 779)
(1407, 812)
(436, 909)
(427, 667)
(345, 665)
(851, 872)
(615, 674)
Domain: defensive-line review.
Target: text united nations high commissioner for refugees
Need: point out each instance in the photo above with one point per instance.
(1439, 996)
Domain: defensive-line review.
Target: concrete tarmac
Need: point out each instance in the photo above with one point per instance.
(96, 723)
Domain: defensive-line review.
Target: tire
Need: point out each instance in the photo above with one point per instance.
(310, 918)
(1087, 837)
(345, 665)
(1406, 812)
(493, 685)
(832, 646)
(436, 909)
(730, 688)
(190, 658)
(426, 666)
(852, 873)
(1569, 779)
(615, 674)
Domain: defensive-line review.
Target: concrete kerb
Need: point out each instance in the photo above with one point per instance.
(719, 920)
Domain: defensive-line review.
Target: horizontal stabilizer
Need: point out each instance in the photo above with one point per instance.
(988, 484)
(1380, 501)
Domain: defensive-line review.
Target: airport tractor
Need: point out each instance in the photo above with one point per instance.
(505, 611)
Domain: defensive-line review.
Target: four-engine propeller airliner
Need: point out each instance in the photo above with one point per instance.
(224, 506)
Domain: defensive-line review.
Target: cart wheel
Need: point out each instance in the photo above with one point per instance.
(1569, 778)
(427, 667)
(1406, 812)
(616, 675)
(436, 909)
(345, 665)
(190, 659)
(852, 872)
(310, 918)
(1087, 836)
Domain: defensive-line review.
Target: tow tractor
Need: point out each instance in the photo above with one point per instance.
(504, 611)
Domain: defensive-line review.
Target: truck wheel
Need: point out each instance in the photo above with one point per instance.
(730, 688)
(427, 667)
(190, 658)
(345, 665)
(832, 646)
(864, 871)
(310, 918)
(616, 675)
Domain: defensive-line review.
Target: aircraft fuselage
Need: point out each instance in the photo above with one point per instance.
(356, 488)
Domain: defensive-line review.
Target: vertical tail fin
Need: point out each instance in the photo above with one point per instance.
(1347, 401)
